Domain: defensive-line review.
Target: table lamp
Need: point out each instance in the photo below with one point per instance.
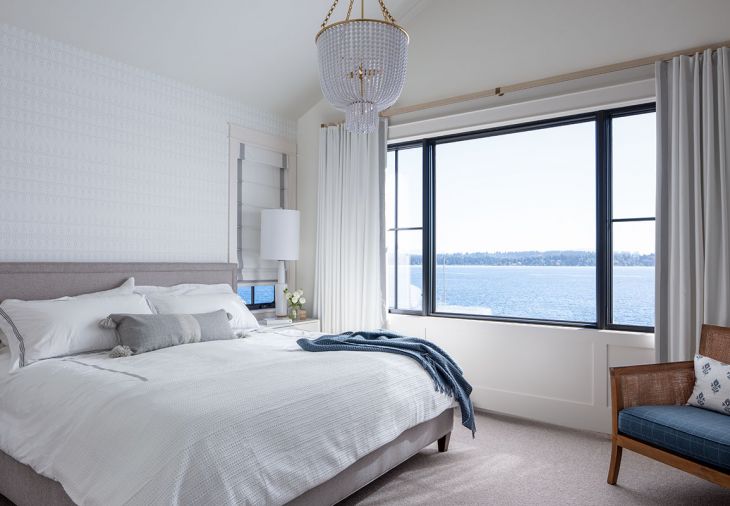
(280, 241)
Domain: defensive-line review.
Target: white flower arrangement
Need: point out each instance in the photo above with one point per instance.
(295, 299)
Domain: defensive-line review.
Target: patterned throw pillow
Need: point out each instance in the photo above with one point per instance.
(712, 385)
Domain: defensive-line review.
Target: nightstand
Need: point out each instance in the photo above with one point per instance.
(310, 324)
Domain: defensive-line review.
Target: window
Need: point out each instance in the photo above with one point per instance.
(257, 296)
(633, 196)
(404, 226)
(550, 221)
(519, 239)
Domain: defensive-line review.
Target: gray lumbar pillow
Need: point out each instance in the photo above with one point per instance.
(147, 332)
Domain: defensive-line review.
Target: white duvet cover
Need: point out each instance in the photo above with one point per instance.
(247, 421)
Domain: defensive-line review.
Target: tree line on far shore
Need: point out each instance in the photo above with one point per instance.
(538, 258)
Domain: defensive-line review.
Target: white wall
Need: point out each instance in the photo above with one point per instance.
(105, 162)
(308, 128)
(553, 374)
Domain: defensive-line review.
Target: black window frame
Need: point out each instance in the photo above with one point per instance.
(252, 287)
(604, 217)
(396, 228)
(608, 117)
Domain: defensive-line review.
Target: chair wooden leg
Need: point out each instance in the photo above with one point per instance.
(444, 443)
(616, 452)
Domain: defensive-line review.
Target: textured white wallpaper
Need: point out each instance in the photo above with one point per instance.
(100, 161)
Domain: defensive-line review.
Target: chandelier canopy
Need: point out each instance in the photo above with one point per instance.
(362, 65)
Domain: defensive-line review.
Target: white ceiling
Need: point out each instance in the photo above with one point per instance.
(259, 52)
(464, 46)
(490, 43)
(262, 52)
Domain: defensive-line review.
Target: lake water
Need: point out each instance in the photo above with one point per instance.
(264, 294)
(542, 292)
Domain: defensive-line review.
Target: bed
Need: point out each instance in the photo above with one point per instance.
(252, 420)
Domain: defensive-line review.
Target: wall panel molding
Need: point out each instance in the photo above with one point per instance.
(553, 374)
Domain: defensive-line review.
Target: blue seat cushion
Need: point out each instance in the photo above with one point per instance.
(695, 433)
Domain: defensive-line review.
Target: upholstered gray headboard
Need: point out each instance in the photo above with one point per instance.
(42, 280)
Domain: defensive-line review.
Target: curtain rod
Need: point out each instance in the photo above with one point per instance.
(570, 76)
(325, 125)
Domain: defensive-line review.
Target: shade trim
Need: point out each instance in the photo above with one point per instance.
(363, 20)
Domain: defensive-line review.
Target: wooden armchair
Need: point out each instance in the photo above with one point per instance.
(663, 384)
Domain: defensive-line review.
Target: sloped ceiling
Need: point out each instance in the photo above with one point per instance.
(465, 46)
(259, 52)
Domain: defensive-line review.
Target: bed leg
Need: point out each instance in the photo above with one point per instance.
(443, 443)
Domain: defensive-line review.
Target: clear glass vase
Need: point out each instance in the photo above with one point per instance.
(293, 313)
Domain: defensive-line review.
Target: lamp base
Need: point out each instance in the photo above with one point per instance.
(279, 300)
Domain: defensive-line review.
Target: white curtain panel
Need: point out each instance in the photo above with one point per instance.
(348, 293)
(693, 200)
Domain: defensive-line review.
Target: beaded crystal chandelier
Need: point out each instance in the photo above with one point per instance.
(362, 65)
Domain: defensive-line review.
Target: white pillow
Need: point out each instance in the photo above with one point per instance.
(125, 288)
(184, 289)
(712, 385)
(52, 328)
(205, 303)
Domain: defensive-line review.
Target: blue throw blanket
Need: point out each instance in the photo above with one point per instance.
(447, 376)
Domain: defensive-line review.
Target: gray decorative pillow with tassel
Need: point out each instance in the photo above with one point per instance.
(140, 333)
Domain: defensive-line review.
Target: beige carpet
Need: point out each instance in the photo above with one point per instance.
(513, 461)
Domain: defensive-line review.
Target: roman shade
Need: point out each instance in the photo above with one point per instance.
(261, 185)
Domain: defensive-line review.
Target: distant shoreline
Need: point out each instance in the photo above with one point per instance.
(538, 258)
(485, 265)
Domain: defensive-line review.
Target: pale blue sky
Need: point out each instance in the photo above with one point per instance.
(533, 190)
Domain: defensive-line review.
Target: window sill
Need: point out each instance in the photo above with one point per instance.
(526, 321)
(263, 312)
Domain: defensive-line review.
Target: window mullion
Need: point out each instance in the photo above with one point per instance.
(428, 256)
(395, 234)
(603, 219)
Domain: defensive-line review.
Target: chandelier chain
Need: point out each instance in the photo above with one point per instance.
(386, 13)
(329, 13)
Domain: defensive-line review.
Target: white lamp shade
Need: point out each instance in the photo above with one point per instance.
(279, 234)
